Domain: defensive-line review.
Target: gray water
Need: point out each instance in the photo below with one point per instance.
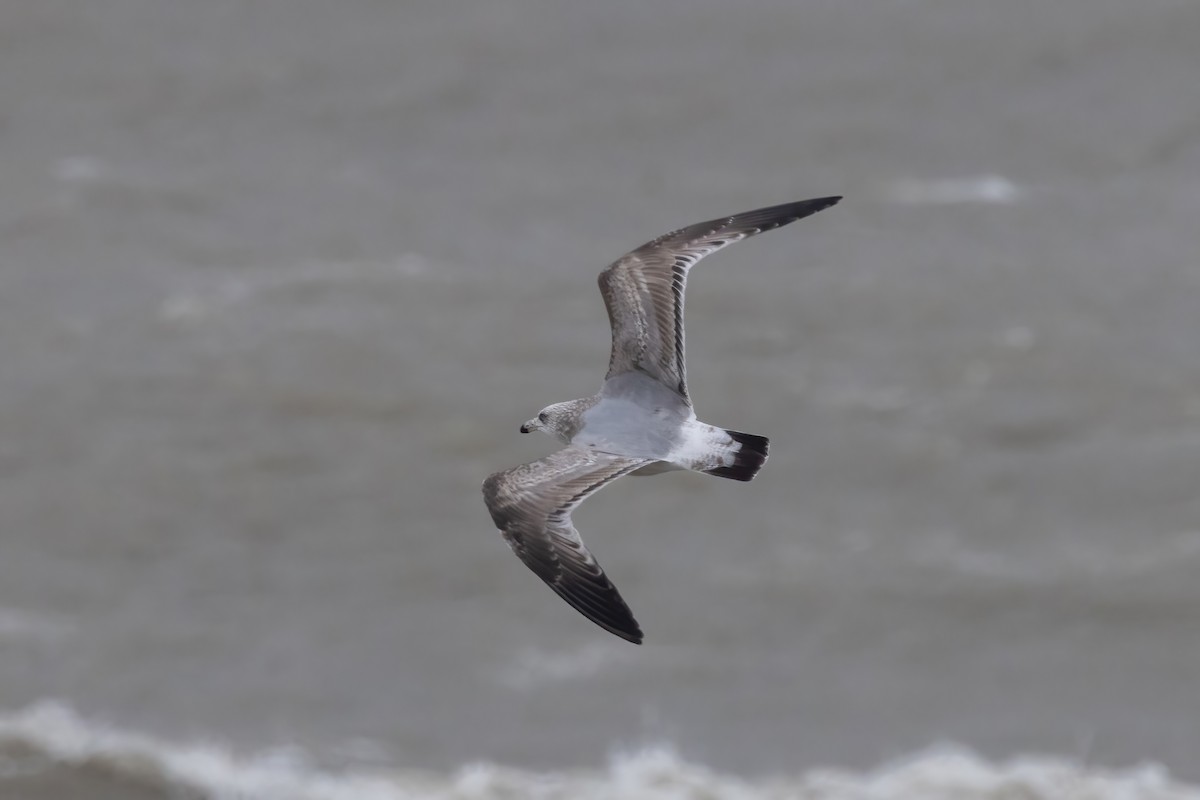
(280, 279)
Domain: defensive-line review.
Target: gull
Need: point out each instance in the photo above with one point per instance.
(641, 421)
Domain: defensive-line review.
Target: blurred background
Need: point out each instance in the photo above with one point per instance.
(279, 280)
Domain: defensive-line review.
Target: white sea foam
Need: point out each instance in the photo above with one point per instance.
(54, 735)
(977, 189)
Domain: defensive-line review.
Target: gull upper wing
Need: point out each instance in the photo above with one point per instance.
(532, 504)
(643, 290)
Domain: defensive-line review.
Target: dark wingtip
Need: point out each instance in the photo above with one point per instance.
(633, 636)
(771, 217)
(611, 613)
(616, 618)
(804, 208)
(627, 628)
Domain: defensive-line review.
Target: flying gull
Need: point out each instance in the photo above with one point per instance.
(640, 422)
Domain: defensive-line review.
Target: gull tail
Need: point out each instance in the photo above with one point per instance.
(749, 453)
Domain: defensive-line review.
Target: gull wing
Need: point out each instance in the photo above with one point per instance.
(643, 290)
(531, 505)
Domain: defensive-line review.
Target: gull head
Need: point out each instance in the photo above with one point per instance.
(557, 420)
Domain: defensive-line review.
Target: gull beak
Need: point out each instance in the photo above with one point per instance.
(525, 428)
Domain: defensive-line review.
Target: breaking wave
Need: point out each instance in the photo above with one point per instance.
(53, 736)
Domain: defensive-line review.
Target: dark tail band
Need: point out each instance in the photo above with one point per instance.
(747, 461)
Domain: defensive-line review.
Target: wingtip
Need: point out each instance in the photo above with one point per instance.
(633, 637)
(822, 203)
(616, 618)
(777, 216)
(806, 208)
(627, 628)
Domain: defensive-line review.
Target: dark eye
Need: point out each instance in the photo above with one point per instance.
(542, 417)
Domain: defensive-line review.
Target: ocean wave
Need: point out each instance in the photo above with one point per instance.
(54, 735)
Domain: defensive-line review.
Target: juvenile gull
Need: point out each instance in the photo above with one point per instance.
(640, 422)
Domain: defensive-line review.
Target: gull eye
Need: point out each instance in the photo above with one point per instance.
(542, 417)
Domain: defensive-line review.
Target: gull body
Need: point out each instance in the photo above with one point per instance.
(640, 422)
